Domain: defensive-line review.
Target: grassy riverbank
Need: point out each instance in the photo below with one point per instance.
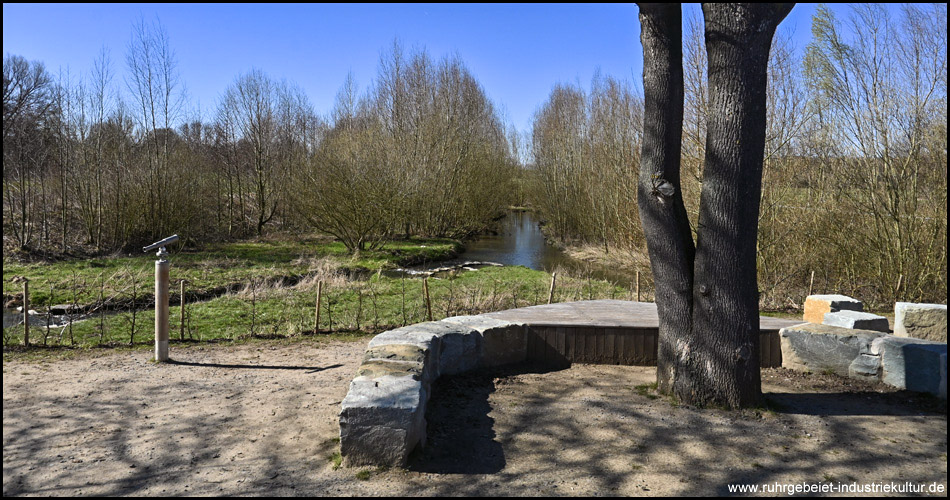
(208, 270)
(270, 291)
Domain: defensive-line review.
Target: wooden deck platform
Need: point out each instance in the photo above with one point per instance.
(611, 332)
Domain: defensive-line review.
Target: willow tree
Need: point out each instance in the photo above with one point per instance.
(706, 291)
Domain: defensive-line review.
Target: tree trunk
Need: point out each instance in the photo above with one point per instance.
(707, 295)
(665, 221)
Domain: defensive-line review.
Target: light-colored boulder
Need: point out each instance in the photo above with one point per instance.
(382, 420)
(921, 321)
(502, 342)
(821, 348)
(816, 306)
(857, 320)
(912, 364)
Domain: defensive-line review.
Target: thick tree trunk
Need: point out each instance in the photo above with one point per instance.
(724, 367)
(707, 295)
(664, 218)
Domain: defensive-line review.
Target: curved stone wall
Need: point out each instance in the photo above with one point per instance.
(383, 415)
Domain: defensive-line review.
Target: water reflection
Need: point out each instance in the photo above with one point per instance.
(520, 242)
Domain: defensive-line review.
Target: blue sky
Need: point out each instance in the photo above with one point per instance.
(518, 52)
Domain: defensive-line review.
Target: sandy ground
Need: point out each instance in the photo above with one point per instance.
(261, 419)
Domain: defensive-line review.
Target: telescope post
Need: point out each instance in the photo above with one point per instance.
(161, 307)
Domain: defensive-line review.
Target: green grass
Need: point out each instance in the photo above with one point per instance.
(647, 390)
(351, 308)
(210, 268)
(336, 459)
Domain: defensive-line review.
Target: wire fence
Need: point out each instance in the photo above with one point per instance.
(117, 308)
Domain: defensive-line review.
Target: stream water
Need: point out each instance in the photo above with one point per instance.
(520, 242)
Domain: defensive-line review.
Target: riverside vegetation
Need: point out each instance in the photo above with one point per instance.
(268, 289)
(854, 196)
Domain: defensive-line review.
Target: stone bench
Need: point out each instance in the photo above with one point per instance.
(382, 417)
(912, 364)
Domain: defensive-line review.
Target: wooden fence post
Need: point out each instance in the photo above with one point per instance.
(551, 292)
(316, 319)
(181, 332)
(425, 288)
(638, 286)
(26, 308)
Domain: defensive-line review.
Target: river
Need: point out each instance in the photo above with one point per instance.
(520, 242)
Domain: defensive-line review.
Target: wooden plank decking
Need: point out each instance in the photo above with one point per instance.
(611, 332)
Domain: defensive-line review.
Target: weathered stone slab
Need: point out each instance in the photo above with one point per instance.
(502, 342)
(857, 320)
(816, 306)
(396, 352)
(425, 336)
(921, 321)
(376, 369)
(865, 367)
(912, 364)
(382, 420)
(459, 350)
(819, 348)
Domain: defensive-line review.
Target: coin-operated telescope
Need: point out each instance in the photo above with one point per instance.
(160, 245)
(161, 296)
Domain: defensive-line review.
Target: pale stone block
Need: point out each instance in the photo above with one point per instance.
(503, 342)
(857, 320)
(921, 321)
(912, 364)
(816, 306)
(382, 420)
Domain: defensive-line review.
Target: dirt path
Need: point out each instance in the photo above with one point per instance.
(262, 419)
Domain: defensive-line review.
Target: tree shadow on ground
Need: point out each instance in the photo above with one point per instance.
(595, 432)
(311, 369)
(460, 435)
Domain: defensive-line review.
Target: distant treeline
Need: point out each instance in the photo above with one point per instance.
(855, 167)
(93, 165)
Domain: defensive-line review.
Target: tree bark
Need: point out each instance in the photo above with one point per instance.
(707, 294)
(665, 221)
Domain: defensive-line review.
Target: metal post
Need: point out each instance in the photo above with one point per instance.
(161, 310)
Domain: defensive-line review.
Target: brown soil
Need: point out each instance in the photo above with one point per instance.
(261, 419)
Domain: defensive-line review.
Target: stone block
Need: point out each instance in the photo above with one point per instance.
(865, 367)
(942, 388)
(425, 336)
(912, 364)
(502, 342)
(921, 321)
(857, 320)
(382, 420)
(816, 306)
(460, 351)
(820, 348)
